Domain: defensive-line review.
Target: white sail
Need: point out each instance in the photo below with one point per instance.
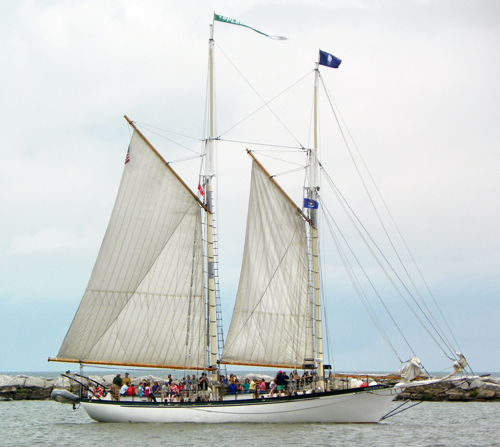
(272, 309)
(144, 303)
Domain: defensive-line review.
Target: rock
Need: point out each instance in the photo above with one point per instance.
(108, 379)
(40, 394)
(490, 386)
(5, 381)
(465, 385)
(17, 381)
(8, 392)
(98, 379)
(476, 383)
(35, 382)
(61, 382)
(455, 395)
(485, 394)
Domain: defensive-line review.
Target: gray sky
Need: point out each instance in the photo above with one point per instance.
(417, 88)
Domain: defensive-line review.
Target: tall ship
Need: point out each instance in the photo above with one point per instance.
(153, 298)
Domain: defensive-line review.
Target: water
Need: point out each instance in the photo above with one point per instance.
(48, 423)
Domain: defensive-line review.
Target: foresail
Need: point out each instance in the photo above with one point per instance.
(272, 310)
(144, 303)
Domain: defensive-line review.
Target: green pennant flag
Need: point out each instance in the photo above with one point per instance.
(235, 22)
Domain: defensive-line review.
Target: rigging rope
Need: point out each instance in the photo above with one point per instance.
(350, 215)
(265, 103)
(440, 333)
(359, 288)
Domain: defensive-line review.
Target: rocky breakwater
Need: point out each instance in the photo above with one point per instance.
(31, 388)
(23, 387)
(479, 389)
(482, 389)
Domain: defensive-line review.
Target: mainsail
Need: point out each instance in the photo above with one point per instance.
(144, 304)
(272, 313)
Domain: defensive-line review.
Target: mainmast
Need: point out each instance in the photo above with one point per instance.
(313, 194)
(209, 175)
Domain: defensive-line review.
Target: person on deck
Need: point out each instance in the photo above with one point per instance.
(174, 392)
(280, 382)
(131, 390)
(254, 388)
(306, 380)
(126, 380)
(293, 382)
(115, 387)
(140, 389)
(246, 386)
(262, 386)
(232, 388)
(187, 389)
(235, 387)
(148, 393)
(272, 387)
(156, 389)
(123, 390)
(203, 387)
(164, 391)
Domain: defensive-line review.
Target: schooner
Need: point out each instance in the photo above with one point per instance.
(151, 300)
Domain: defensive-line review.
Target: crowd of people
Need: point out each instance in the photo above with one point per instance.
(191, 388)
(282, 385)
(185, 390)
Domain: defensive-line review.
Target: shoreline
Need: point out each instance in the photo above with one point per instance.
(477, 389)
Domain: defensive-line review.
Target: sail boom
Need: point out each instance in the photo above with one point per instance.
(137, 365)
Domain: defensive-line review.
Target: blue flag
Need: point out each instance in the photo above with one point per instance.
(311, 204)
(328, 59)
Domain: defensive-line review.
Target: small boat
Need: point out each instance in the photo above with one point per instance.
(152, 300)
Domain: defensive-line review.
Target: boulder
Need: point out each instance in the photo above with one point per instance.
(40, 394)
(8, 381)
(61, 382)
(35, 382)
(485, 394)
(98, 379)
(476, 383)
(455, 395)
(5, 381)
(7, 392)
(490, 386)
(108, 379)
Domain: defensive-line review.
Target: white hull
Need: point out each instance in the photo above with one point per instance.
(356, 406)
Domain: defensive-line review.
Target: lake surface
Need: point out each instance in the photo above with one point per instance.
(48, 423)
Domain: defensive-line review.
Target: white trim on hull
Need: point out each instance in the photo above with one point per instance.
(358, 406)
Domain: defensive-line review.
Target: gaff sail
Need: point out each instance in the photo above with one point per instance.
(270, 325)
(144, 304)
